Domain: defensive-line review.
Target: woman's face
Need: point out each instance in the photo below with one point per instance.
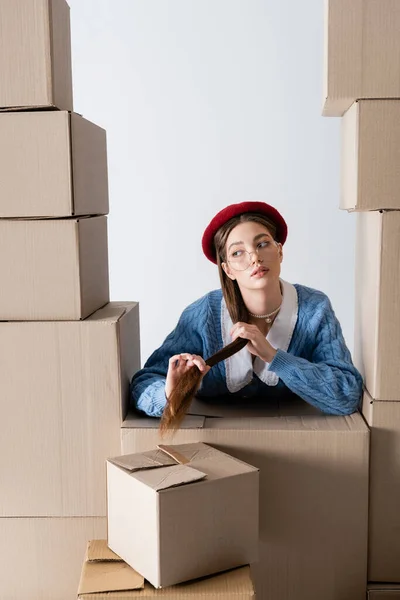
(253, 258)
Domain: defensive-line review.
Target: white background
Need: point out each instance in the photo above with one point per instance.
(205, 103)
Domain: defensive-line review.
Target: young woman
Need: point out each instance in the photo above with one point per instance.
(295, 342)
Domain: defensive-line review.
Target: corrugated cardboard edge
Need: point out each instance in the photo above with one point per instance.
(89, 166)
(342, 55)
(92, 242)
(129, 352)
(98, 550)
(60, 66)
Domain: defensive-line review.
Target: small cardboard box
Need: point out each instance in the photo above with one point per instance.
(64, 390)
(54, 269)
(383, 591)
(384, 489)
(361, 52)
(52, 164)
(314, 476)
(370, 157)
(106, 577)
(182, 512)
(35, 54)
(377, 307)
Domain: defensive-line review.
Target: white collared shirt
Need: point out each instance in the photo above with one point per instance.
(239, 367)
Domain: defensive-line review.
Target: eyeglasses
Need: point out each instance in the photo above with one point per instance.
(240, 260)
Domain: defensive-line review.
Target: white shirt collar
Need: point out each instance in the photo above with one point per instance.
(239, 367)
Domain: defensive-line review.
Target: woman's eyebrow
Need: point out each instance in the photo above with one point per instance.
(257, 237)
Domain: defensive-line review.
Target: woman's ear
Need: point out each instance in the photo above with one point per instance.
(280, 251)
(228, 271)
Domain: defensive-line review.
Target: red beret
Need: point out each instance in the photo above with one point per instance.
(233, 210)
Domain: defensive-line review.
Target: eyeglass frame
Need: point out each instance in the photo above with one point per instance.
(256, 251)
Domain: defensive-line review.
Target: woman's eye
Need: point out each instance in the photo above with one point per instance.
(237, 253)
(264, 244)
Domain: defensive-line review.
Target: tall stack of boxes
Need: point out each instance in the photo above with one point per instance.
(362, 85)
(66, 352)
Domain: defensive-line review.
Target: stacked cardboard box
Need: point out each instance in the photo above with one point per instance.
(66, 352)
(313, 491)
(182, 511)
(362, 78)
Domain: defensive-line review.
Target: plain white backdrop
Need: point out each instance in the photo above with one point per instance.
(205, 103)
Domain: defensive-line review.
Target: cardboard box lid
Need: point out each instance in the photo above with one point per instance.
(105, 571)
(179, 464)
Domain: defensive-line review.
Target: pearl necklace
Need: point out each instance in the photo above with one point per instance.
(268, 316)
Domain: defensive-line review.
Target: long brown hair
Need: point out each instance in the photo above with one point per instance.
(182, 395)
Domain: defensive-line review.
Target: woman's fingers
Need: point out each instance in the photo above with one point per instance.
(186, 360)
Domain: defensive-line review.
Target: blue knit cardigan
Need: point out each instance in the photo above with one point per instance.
(316, 365)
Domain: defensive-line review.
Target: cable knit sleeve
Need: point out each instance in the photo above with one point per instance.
(329, 380)
(148, 385)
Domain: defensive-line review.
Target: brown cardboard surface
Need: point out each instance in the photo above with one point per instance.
(313, 495)
(53, 269)
(195, 519)
(361, 52)
(370, 156)
(63, 394)
(35, 54)
(105, 571)
(384, 514)
(41, 559)
(382, 591)
(108, 578)
(377, 312)
(52, 164)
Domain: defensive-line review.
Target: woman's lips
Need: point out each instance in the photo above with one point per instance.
(260, 273)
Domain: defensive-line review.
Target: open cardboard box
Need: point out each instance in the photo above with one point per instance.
(182, 512)
(313, 488)
(105, 576)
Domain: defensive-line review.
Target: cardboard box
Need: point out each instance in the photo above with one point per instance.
(313, 493)
(384, 498)
(382, 591)
(41, 559)
(53, 270)
(361, 52)
(35, 54)
(64, 389)
(52, 164)
(377, 309)
(182, 512)
(106, 577)
(370, 177)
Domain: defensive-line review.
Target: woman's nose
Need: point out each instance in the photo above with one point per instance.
(255, 257)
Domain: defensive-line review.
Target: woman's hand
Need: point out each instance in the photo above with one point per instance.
(179, 364)
(258, 344)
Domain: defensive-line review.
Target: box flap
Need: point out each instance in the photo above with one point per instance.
(145, 460)
(168, 477)
(98, 550)
(184, 453)
(252, 407)
(138, 421)
(107, 575)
